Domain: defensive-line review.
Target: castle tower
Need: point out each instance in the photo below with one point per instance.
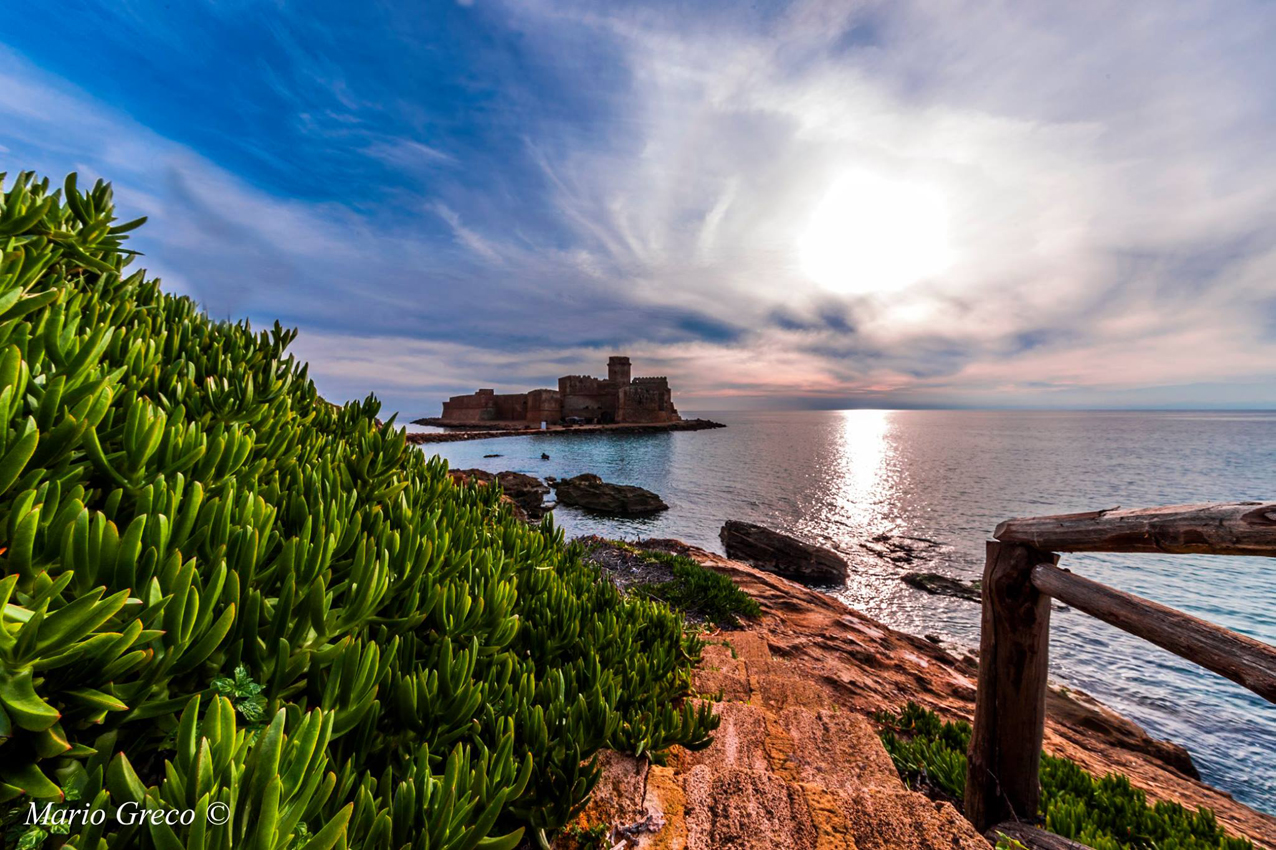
(618, 371)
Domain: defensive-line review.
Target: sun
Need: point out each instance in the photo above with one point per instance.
(872, 234)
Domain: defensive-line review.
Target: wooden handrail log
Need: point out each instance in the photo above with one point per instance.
(1235, 528)
(1242, 659)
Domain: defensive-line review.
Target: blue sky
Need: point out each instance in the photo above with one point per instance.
(446, 195)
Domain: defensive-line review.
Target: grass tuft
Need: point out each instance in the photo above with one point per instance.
(697, 589)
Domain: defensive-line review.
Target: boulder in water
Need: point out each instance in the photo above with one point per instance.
(942, 585)
(594, 494)
(525, 491)
(781, 554)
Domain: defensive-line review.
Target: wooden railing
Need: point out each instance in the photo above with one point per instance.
(1021, 577)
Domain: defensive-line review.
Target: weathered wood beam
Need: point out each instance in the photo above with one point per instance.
(1010, 701)
(1031, 837)
(1237, 528)
(1242, 659)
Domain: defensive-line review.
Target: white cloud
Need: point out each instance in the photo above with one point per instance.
(1100, 163)
(1108, 173)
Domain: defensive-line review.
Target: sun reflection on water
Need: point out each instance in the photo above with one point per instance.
(863, 476)
(858, 496)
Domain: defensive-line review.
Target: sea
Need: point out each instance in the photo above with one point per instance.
(931, 484)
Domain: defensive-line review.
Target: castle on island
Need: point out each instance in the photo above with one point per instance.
(618, 398)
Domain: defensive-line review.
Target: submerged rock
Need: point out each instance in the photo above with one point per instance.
(781, 554)
(942, 585)
(593, 494)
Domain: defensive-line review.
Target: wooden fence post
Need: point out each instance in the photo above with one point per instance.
(1010, 704)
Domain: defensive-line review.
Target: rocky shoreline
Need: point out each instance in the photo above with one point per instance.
(797, 762)
(838, 660)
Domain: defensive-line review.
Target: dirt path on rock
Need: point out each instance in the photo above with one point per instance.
(797, 764)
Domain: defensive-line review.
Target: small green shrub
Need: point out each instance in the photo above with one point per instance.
(1105, 813)
(216, 588)
(698, 589)
(589, 838)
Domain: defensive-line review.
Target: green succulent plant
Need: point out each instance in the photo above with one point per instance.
(216, 588)
(1105, 813)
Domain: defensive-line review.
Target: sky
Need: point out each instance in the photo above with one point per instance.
(809, 204)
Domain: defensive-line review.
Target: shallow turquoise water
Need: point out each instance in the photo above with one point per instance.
(842, 477)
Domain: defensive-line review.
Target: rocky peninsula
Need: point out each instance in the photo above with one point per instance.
(486, 431)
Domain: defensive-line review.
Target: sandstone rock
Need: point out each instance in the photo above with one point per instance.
(802, 772)
(781, 554)
(942, 585)
(807, 641)
(593, 494)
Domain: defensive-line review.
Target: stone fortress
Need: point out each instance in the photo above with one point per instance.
(617, 399)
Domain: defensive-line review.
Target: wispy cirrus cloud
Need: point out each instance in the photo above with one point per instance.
(504, 193)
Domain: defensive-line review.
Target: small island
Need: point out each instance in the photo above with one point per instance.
(582, 403)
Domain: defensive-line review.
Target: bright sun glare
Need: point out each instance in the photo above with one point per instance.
(874, 234)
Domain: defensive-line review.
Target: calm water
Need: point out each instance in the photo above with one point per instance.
(843, 477)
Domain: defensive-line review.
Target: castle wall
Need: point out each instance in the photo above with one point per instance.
(486, 406)
(544, 406)
(617, 398)
(588, 398)
(647, 400)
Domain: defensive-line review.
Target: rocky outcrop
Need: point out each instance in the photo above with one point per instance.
(942, 585)
(789, 767)
(525, 493)
(810, 651)
(593, 494)
(781, 554)
(471, 476)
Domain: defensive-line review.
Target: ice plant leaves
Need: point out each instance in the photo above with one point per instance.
(221, 593)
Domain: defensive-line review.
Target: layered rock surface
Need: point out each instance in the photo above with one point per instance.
(789, 767)
(797, 764)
